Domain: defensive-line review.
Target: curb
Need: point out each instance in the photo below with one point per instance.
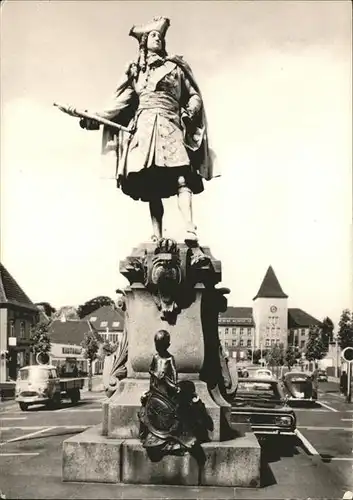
(309, 448)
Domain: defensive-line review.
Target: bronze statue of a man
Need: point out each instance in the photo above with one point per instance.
(167, 152)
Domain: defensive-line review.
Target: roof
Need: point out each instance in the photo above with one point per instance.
(297, 374)
(69, 331)
(270, 287)
(38, 367)
(110, 317)
(237, 315)
(11, 292)
(262, 380)
(299, 318)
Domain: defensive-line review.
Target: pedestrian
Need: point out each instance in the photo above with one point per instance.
(344, 383)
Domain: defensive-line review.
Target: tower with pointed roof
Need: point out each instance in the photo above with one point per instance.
(270, 312)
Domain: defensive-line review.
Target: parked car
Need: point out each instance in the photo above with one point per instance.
(264, 373)
(263, 404)
(322, 376)
(41, 384)
(257, 372)
(298, 386)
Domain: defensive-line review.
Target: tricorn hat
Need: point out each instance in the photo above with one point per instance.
(160, 24)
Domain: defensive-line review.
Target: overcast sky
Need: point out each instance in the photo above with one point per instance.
(276, 83)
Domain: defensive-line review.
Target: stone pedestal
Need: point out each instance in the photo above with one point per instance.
(187, 307)
(91, 457)
(144, 320)
(120, 419)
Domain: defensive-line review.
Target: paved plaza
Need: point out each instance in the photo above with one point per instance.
(319, 466)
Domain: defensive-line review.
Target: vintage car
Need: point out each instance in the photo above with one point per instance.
(264, 373)
(40, 384)
(299, 387)
(322, 376)
(257, 372)
(262, 403)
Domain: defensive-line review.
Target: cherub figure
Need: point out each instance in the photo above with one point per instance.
(172, 417)
(164, 376)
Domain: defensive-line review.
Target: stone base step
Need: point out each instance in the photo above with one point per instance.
(92, 457)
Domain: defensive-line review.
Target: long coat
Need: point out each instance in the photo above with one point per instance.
(154, 105)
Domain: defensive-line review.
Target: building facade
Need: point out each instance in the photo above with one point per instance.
(267, 323)
(236, 329)
(108, 322)
(67, 334)
(66, 352)
(18, 315)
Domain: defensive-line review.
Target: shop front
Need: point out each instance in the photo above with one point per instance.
(15, 342)
(68, 359)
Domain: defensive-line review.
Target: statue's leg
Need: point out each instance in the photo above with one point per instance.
(185, 207)
(156, 212)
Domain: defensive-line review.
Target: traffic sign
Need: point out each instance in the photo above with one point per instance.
(347, 354)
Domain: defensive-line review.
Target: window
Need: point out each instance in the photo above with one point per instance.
(93, 318)
(272, 341)
(249, 331)
(278, 331)
(226, 343)
(116, 324)
(302, 343)
(241, 331)
(226, 330)
(12, 328)
(21, 358)
(234, 343)
(22, 330)
(241, 342)
(302, 331)
(104, 324)
(248, 343)
(267, 343)
(234, 331)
